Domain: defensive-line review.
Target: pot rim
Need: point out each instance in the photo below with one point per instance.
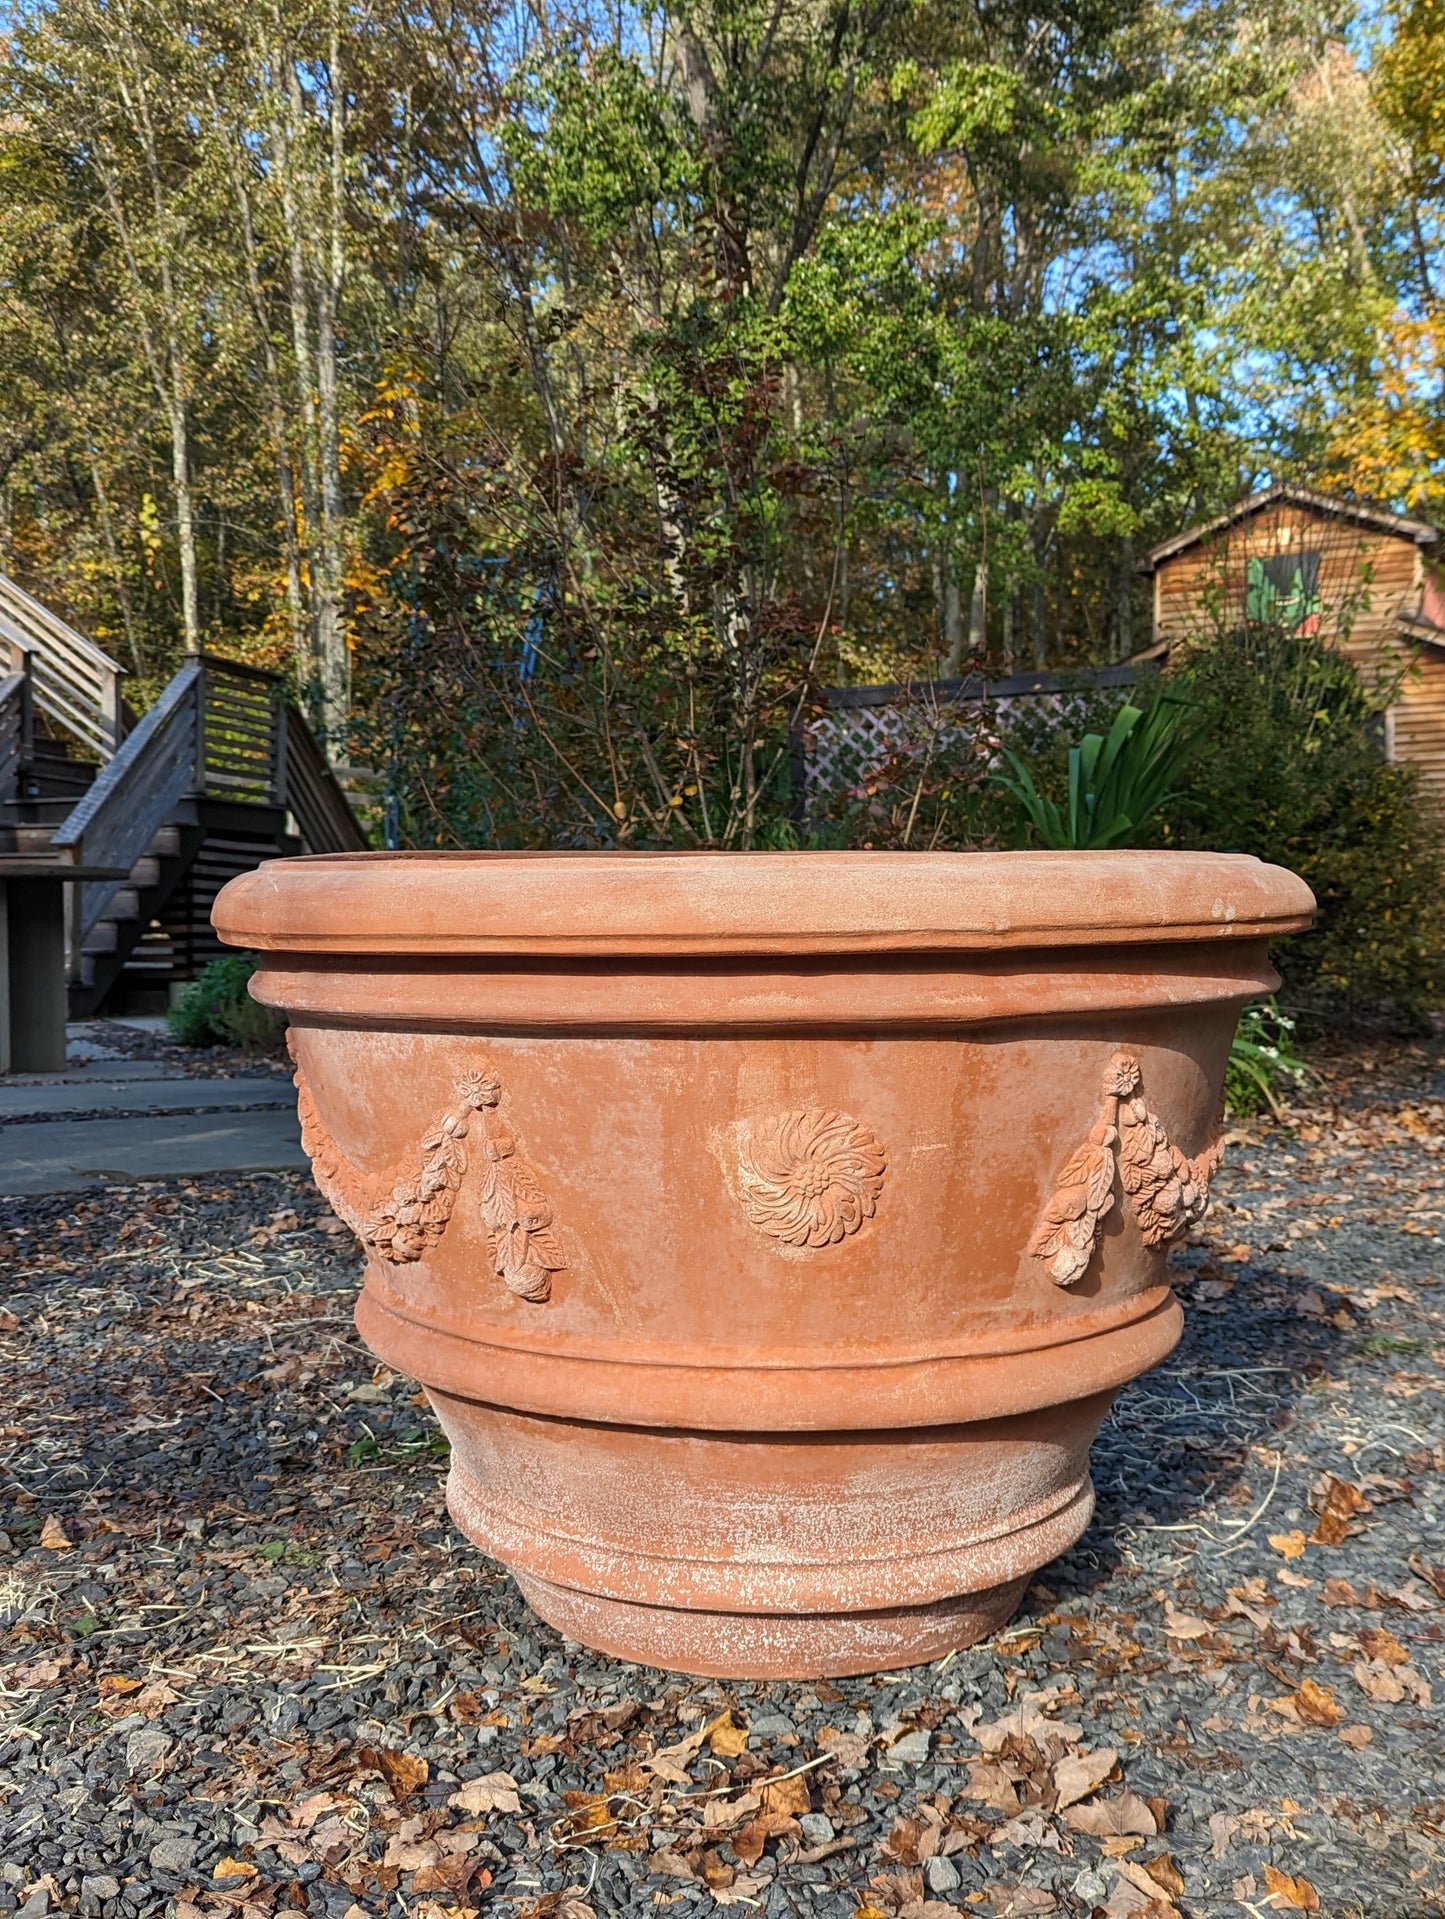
(614, 904)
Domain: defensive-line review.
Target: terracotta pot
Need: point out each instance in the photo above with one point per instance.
(771, 1231)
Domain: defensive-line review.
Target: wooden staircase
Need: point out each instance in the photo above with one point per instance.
(218, 776)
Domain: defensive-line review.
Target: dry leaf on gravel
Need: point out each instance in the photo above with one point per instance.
(1027, 1720)
(233, 1869)
(1433, 1576)
(1288, 1545)
(53, 1534)
(1022, 1902)
(1356, 1737)
(748, 1842)
(789, 1797)
(671, 1762)
(1125, 1813)
(1380, 1643)
(667, 1863)
(1343, 1502)
(37, 1675)
(1378, 1681)
(914, 1839)
(992, 1786)
(1391, 1683)
(1285, 1891)
(1157, 1897)
(404, 1772)
(850, 1749)
(1184, 1625)
(493, 1792)
(1222, 1828)
(570, 1903)
(1165, 1874)
(1082, 1773)
(726, 1738)
(744, 1890)
(1316, 1705)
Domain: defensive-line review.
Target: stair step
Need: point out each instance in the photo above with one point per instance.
(124, 905)
(166, 844)
(146, 871)
(103, 937)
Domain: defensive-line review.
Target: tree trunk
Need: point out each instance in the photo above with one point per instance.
(978, 613)
(290, 135)
(1124, 600)
(1040, 633)
(952, 629)
(331, 624)
(275, 409)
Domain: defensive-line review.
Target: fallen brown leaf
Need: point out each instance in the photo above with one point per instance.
(1378, 1681)
(1433, 1576)
(493, 1792)
(789, 1797)
(404, 1772)
(37, 1675)
(726, 1738)
(1356, 1737)
(1082, 1773)
(229, 1868)
(1165, 1873)
(53, 1535)
(1184, 1625)
(1380, 1643)
(1126, 1812)
(1343, 1502)
(671, 1762)
(1288, 1545)
(850, 1749)
(1317, 1704)
(991, 1785)
(749, 1840)
(1284, 1890)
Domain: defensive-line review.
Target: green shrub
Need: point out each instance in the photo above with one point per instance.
(217, 1010)
(1294, 770)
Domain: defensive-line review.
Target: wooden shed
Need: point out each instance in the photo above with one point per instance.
(1320, 564)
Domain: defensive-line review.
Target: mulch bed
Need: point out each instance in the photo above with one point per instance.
(250, 1667)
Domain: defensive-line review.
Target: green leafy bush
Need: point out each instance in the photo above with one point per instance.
(1294, 771)
(217, 1010)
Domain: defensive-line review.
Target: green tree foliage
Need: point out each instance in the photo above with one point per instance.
(564, 395)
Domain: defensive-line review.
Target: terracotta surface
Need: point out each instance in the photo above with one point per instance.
(771, 1231)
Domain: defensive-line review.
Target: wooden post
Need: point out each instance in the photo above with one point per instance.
(279, 769)
(199, 783)
(35, 950)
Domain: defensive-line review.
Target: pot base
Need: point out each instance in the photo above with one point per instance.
(719, 1645)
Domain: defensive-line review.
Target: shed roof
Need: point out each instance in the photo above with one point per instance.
(1330, 505)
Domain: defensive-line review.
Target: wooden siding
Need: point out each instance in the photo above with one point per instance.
(1369, 581)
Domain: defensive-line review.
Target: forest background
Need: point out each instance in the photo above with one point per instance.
(561, 394)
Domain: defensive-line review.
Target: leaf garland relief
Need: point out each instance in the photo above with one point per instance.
(400, 1215)
(1167, 1191)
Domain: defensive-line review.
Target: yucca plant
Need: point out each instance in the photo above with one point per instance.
(1117, 780)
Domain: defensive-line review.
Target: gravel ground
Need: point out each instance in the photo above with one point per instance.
(92, 1042)
(248, 1665)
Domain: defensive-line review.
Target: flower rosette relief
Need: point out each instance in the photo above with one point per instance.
(811, 1178)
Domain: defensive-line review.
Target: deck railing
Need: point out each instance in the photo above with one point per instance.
(75, 684)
